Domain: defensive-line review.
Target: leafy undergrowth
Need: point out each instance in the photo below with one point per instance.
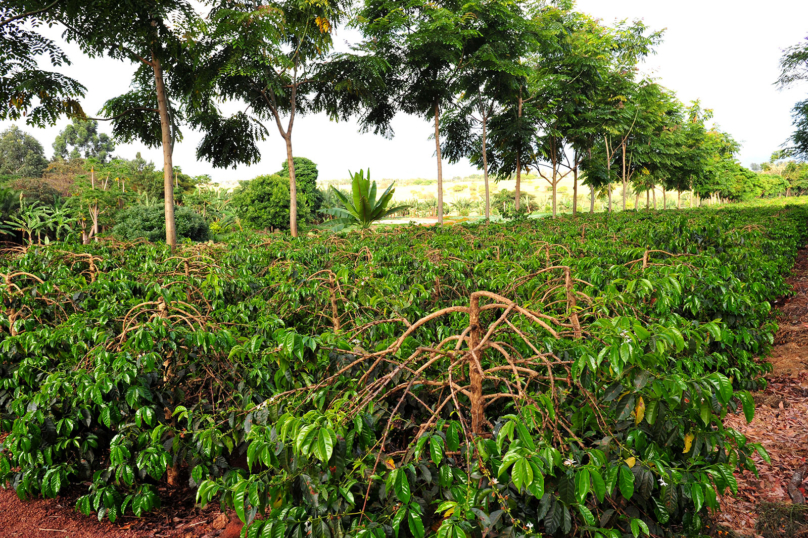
(566, 377)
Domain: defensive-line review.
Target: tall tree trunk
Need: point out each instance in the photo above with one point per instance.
(648, 200)
(292, 184)
(518, 193)
(664, 199)
(575, 190)
(168, 165)
(624, 176)
(636, 201)
(653, 196)
(440, 166)
(591, 199)
(485, 169)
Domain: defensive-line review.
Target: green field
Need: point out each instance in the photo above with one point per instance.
(510, 377)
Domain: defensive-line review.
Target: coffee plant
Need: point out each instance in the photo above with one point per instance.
(564, 377)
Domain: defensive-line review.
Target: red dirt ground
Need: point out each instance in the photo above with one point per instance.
(781, 414)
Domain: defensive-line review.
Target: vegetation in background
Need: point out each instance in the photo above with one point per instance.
(263, 203)
(21, 154)
(362, 208)
(148, 222)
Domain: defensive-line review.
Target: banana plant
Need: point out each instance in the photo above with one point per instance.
(363, 208)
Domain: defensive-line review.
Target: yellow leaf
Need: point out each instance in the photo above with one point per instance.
(639, 411)
(688, 442)
(278, 502)
(448, 513)
(631, 461)
(390, 463)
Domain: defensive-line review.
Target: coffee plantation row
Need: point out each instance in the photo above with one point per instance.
(565, 377)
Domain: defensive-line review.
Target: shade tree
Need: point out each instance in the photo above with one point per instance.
(277, 57)
(26, 89)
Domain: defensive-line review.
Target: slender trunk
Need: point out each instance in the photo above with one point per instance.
(519, 158)
(440, 168)
(168, 166)
(519, 182)
(648, 200)
(678, 199)
(591, 199)
(653, 196)
(624, 176)
(575, 190)
(292, 185)
(485, 170)
(692, 195)
(610, 197)
(664, 199)
(555, 184)
(636, 201)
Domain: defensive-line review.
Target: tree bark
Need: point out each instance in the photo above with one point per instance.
(292, 185)
(168, 165)
(648, 200)
(440, 166)
(653, 196)
(664, 199)
(636, 201)
(624, 176)
(518, 193)
(485, 169)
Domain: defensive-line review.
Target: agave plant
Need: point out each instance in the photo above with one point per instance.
(363, 208)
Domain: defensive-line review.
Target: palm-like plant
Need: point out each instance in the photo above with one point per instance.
(363, 208)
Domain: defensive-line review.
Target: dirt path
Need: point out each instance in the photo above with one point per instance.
(57, 518)
(780, 425)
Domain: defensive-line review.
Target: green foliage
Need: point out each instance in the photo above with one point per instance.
(148, 222)
(83, 136)
(361, 208)
(21, 154)
(263, 203)
(26, 91)
(306, 181)
(313, 365)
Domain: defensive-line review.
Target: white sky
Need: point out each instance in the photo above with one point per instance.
(720, 51)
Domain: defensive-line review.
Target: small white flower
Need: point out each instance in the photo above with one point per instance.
(662, 482)
(494, 481)
(569, 462)
(529, 525)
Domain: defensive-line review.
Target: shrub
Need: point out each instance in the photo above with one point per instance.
(36, 190)
(263, 203)
(149, 222)
(306, 181)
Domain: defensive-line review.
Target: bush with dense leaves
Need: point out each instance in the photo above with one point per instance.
(561, 376)
(149, 222)
(263, 203)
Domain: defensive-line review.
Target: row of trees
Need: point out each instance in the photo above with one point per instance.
(794, 69)
(516, 86)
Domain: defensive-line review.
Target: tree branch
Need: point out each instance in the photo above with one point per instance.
(28, 14)
(147, 109)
